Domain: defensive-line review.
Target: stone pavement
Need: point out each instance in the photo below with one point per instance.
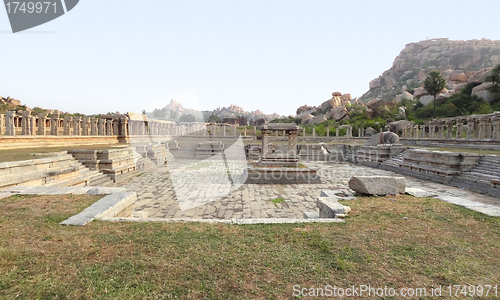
(215, 196)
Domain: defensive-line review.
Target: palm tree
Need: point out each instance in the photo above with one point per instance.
(434, 84)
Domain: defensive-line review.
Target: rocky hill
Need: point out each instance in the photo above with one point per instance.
(174, 110)
(457, 61)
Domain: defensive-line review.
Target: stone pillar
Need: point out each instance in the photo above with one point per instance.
(100, 126)
(93, 126)
(416, 132)
(66, 125)
(328, 131)
(245, 131)
(303, 132)
(276, 133)
(255, 131)
(495, 120)
(31, 125)
(2, 124)
(77, 129)
(25, 122)
(449, 129)
(224, 130)
(470, 128)
(116, 124)
(337, 132)
(85, 126)
(123, 126)
(235, 128)
(422, 131)
(53, 123)
(314, 131)
(460, 125)
(109, 127)
(41, 123)
(265, 142)
(9, 123)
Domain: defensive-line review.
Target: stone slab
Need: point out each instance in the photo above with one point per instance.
(107, 207)
(419, 193)
(105, 190)
(5, 194)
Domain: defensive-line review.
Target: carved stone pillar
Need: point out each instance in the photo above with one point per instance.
(314, 131)
(2, 124)
(109, 127)
(265, 142)
(41, 123)
(85, 125)
(328, 131)
(10, 128)
(495, 120)
(66, 125)
(416, 132)
(460, 124)
(336, 132)
(100, 127)
(449, 129)
(123, 126)
(77, 129)
(93, 126)
(54, 119)
(470, 128)
(25, 122)
(31, 125)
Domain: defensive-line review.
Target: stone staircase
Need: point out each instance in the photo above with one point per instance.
(61, 170)
(483, 178)
(119, 164)
(393, 164)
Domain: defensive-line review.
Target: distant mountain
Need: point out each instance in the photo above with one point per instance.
(174, 110)
(456, 60)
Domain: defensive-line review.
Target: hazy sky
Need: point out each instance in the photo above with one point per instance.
(271, 55)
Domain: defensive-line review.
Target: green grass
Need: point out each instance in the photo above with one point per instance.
(438, 244)
(276, 201)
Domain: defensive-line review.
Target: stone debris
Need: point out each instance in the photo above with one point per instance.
(378, 185)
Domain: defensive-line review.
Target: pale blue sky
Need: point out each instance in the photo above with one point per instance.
(270, 55)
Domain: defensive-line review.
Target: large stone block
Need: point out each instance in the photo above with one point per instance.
(378, 185)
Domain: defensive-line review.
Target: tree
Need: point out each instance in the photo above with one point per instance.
(187, 118)
(434, 84)
(494, 78)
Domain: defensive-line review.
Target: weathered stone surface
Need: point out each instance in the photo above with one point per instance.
(383, 138)
(329, 207)
(419, 193)
(378, 185)
(318, 119)
(407, 95)
(420, 91)
(370, 131)
(479, 76)
(458, 75)
(398, 125)
(376, 83)
(482, 91)
(339, 113)
(306, 119)
(375, 104)
(305, 108)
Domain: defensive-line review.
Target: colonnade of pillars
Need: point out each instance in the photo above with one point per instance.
(473, 127)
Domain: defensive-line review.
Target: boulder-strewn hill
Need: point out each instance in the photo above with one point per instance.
(175, 110)
(456, 60)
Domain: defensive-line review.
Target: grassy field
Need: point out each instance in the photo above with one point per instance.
(408, 242)
(34, 153)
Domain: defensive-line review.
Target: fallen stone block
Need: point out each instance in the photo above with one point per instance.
(330, 207)
(378, 185)
(105, 190)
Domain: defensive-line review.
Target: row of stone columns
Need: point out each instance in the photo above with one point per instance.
(31, 125)
(478, 127)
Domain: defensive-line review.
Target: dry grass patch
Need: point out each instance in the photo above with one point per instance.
(437, 243)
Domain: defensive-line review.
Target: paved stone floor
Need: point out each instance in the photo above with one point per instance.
(203, 190)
